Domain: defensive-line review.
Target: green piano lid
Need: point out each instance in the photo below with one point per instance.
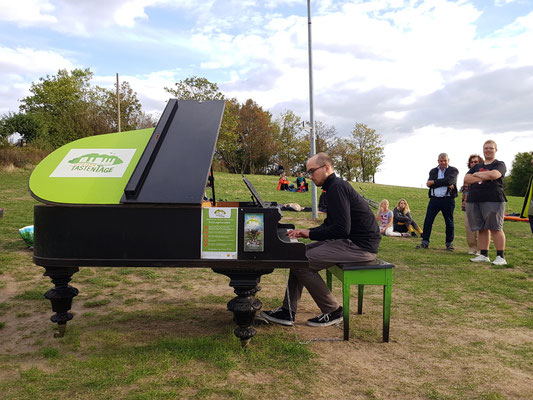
(92, 170)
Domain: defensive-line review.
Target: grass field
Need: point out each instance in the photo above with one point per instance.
(458, 330)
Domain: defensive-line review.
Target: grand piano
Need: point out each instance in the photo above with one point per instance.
(136, 199)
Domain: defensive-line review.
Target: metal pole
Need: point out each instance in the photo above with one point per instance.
(311, 116)
(118, 105)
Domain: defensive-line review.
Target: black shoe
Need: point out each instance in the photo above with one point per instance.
(422, 246)
(279, 316)
(327, 319)
(449, 247)
(413, 234)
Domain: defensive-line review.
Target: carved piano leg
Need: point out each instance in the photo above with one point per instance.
(61, 296)
(245, 305)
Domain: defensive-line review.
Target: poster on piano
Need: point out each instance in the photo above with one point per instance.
(219, 233)
(254, 232)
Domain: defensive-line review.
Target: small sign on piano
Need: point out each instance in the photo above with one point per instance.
(254, 232)
(219, 233)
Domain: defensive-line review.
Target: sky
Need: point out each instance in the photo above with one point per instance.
(429, 76)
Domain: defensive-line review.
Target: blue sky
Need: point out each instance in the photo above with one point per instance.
(430, 76)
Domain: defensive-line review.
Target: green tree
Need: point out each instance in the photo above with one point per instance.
(60, 103)
(104, 110)
(521, 171)
(289, 141)
(228, 144)
(195, 88)
(345, 158)
(28, 126)
(368, 146)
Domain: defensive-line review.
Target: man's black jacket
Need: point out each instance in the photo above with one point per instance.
(450, 178)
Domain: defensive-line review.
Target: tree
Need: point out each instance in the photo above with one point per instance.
(256, 138)
(289, 141)
(369, 149)
(522, 169)
(27, 125)
(195, 88)
(104, 110)
(325, 136)
(60, 103)
(228, 137)
(345, 158)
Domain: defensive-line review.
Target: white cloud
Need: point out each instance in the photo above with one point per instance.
(19, 67)
(27, 12)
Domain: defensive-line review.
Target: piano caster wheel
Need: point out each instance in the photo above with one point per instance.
(61, 328)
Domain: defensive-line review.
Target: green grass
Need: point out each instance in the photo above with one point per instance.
(458, 330)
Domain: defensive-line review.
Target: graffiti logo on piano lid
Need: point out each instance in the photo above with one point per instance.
(94, 163)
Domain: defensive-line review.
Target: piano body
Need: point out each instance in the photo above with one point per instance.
(135, 199)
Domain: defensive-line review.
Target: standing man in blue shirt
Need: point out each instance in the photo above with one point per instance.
(442, 184)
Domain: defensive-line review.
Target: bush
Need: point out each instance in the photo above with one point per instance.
(21, 157)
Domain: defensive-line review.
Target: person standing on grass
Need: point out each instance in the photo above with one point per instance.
(442, 184)
(471, 237)
(350, 233)
(485, 205)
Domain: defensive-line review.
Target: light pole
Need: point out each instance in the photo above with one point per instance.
(311, 116)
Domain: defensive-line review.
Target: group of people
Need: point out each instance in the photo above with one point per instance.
(397, 222)
(351, 233)
(483, 202)
(301, 183)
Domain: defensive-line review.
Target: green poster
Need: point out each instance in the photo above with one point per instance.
(219, 232)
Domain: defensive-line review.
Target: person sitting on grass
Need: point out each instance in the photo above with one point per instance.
(384, 217)
(283, 183)
(301, 184)
(402, 221)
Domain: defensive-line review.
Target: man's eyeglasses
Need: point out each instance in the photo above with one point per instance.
(313, 170)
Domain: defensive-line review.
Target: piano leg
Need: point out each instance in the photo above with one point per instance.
(245, 305)
(61, 296)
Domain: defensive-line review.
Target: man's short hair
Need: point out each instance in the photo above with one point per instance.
(323, 158)
(491, 142)
(443, 155)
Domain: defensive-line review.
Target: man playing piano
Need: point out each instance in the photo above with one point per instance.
(350, 233)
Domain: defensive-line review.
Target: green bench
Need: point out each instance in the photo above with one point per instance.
(361, 274)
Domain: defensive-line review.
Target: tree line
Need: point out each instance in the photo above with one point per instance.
(65, 107)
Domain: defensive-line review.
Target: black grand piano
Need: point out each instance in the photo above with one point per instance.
(136, 199)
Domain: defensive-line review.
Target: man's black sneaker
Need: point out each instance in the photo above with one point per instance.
(413, 234)
(326, 319)
(449, 248)
(422, 246)
(278, 316)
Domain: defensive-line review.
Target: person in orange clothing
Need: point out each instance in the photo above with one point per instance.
(283, 183)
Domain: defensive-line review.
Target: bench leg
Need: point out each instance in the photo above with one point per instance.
(360, 293)
(328, 279)
(387, 294)
(346, 309)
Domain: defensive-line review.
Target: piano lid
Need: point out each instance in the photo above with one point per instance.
(176, 161)
(167, 165)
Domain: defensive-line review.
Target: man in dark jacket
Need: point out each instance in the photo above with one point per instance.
(349, 233)
(442, 184)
